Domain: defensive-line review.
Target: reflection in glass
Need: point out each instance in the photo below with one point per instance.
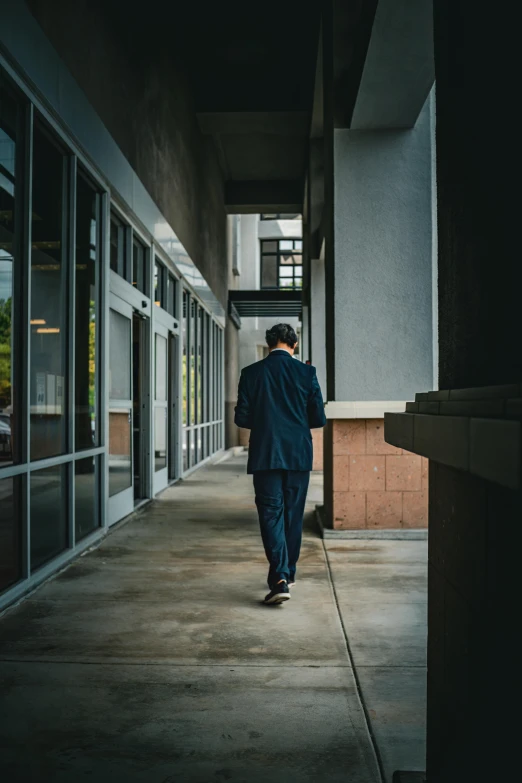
(120, 455)
(48, 300)
(86, 322)
(86, 515)
(160, 438)
(120, 452)
(9, 121)
(118, 239)
(48, 514)
(185, 449)
(184, 379)
(199, 366)
(10, 532)
(192, 379)
(119, 368)
(139, 267)
(161, 369)
(269, 272)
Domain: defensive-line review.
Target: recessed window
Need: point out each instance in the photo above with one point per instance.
(281, 263)
(139, 266)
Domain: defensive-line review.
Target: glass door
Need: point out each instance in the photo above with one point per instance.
(165, 407)
(120, 458)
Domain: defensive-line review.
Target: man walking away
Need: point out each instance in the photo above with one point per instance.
(279, 401)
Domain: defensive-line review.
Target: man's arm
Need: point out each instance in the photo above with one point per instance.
(243, 413)
(315, 408)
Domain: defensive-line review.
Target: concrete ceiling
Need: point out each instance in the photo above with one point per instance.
(252, 69)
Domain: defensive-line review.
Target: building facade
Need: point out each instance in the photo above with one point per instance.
(111, 340)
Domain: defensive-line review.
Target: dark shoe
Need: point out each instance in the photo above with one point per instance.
(278, 594)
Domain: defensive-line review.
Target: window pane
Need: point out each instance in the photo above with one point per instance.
(269, 247)
(10, 532)
(120, 455)
(161, 368)
(298, 244)
(48, 515)
(120, 364)
(286, 244)
(139, 267)
(48, 300)
(160, 438)
(184, 380)
(10, 118)
(298, 271)
(199, 365)
(269, 272)
(185, 450)
(192, 379)
(86, 504)
(286, 271)
(171, 295)
(157, 293)
(87, 311)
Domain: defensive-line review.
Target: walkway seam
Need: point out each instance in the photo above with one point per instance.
(353, 668)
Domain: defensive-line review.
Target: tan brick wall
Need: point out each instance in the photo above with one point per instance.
(375, 485)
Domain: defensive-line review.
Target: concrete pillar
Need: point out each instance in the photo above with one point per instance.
(378, 296)
(231, 382)
(475, 531)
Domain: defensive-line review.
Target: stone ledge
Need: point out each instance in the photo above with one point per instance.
(399, 534)
(475, 430)
(362, 409)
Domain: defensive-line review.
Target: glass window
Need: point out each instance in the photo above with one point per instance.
(192, 337)
(161, 368)
(10, 214)
(10, 532)
(281, 266)
(119, 366)
(171, 296)
(120, 453)
(185, 450)
(160, 285)
(160, 437)
(86, 499)
(269, 272)
(139, 267)
(48, 514)
(118, 241)
(88, 264)
(185, 354)
(48, 298)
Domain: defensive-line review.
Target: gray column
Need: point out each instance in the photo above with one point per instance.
(381, 259)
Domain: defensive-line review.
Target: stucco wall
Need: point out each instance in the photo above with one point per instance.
(383, 262)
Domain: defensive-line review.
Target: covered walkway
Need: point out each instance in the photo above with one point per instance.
(170, 669)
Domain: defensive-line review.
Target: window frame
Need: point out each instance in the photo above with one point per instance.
(278, 253)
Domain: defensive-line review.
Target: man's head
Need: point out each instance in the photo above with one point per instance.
(281, 336)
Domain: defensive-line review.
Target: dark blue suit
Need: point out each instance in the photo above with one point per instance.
(279, 401)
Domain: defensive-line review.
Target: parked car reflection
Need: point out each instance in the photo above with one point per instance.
(5, 437)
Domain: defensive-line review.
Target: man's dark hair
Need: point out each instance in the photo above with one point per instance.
(281, 333)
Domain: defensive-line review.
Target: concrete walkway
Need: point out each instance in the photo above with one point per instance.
(152, 660)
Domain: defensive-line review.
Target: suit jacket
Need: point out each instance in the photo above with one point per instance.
(279, 400)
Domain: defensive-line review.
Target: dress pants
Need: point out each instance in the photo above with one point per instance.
(280, 501)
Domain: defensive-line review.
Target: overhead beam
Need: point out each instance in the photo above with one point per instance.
(251, 197)
(399, 70)
(272, 123)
